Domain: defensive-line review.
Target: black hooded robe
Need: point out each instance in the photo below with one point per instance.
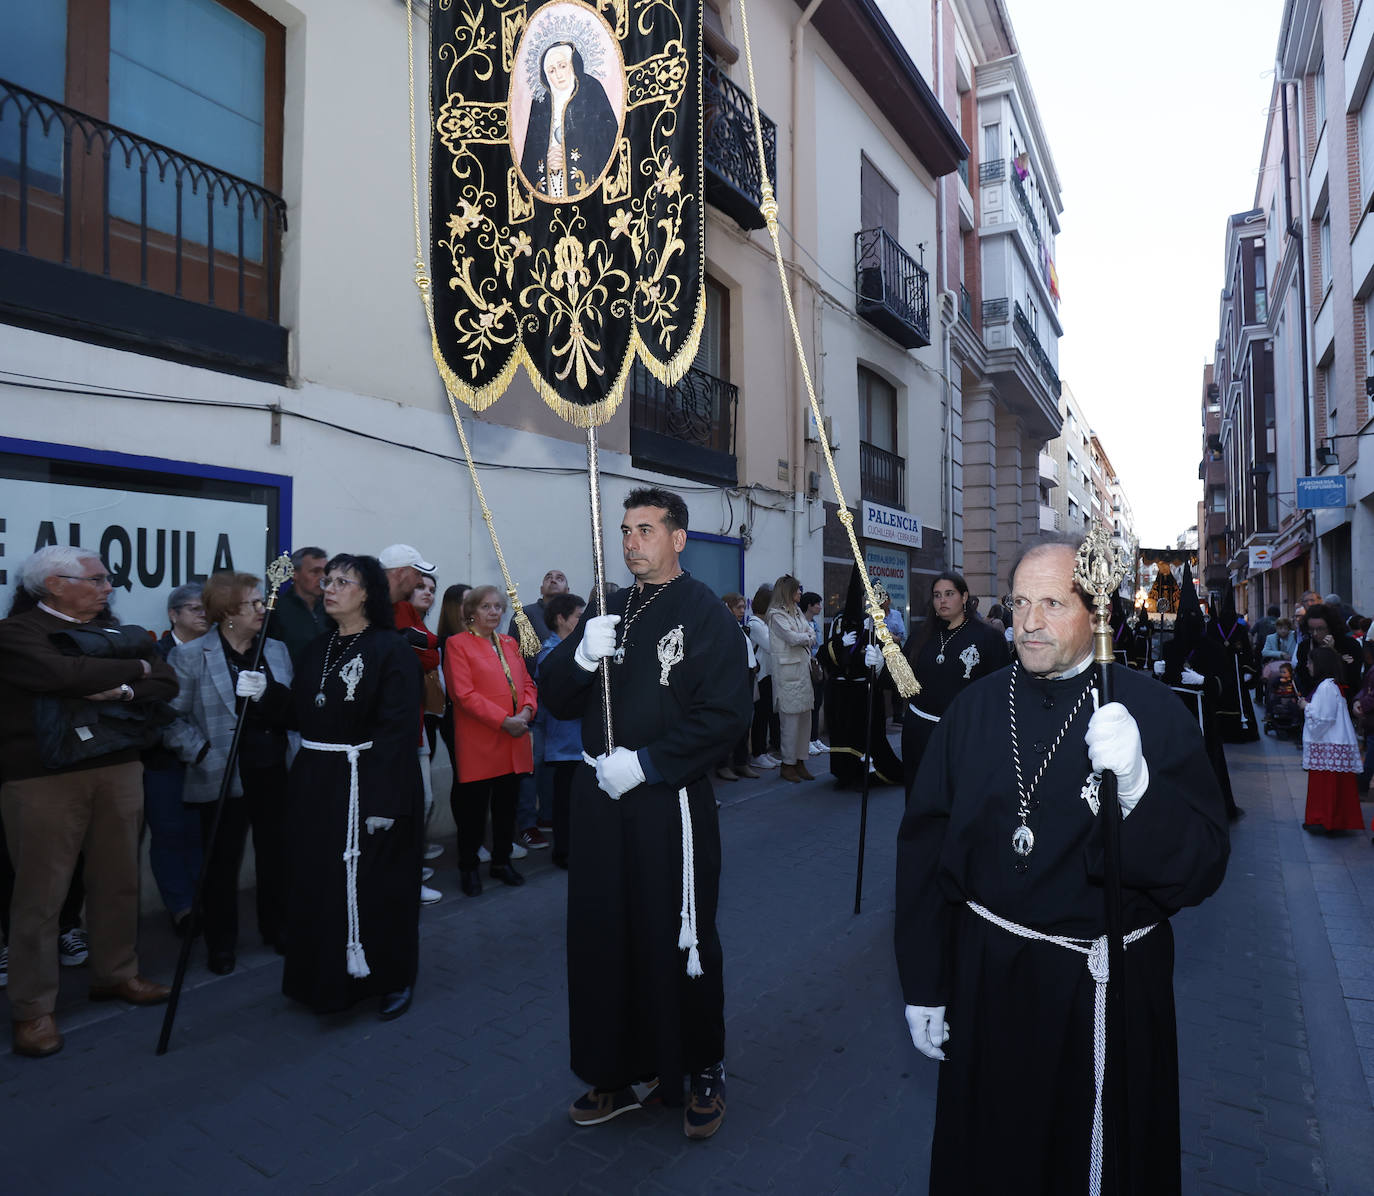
(1235, 709)
(1016, 1093)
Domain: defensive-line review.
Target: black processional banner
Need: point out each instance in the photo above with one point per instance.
(566, 196)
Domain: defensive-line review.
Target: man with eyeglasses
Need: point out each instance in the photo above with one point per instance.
(1000, 925)
(174, 851)
(53, 814)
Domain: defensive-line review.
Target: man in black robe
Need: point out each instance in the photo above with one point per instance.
(852, 663)
(1235, 710)
(993, 857)
(646, 1001)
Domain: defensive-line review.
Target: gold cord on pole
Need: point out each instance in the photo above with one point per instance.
(898, 667)
(529, 641)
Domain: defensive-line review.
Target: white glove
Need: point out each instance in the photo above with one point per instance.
(1113, 741)
(1159, 668)
(251, 685)
(929, 1030)
(598, 641)
(1191, 678)
(873, 657)
(619, 772)
(849, 638)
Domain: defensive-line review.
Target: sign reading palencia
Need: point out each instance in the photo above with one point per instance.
(887, 523)
(566, 198)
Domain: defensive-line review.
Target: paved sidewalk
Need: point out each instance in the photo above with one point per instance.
(468, 1092)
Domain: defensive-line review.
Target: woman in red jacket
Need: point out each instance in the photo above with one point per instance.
(494, 701)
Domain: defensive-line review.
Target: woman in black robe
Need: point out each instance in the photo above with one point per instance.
(572, 130)
(358, 687)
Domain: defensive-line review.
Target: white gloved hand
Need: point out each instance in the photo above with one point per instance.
(873, 657)
(1113, 741)
(1191, 678)
(1159, 668)
(598, 641)
(849, 638)
(929, 1030)
(251, 685)
(619, 772)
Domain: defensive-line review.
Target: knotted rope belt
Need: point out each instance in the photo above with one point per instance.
(356, 959)
(1096, 951)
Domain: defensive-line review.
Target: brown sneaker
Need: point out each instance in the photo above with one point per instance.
(37, 1037)
(706, 1110)
(136, 991)
(594, 1107)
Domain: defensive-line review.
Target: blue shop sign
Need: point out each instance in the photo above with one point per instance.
(1329, 491)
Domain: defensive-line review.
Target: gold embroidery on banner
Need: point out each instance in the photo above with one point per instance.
(512, 27)
(469, 122)
(616, 185)
(518, 199)
(621, 9)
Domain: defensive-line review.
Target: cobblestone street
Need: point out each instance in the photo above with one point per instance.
(468, 1092)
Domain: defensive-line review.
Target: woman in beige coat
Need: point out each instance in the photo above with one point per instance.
(792, 637)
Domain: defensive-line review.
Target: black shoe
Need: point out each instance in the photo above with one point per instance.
(221, 962)
(470, 882)
(706, 1110)
(507, 875)
(395, 1004)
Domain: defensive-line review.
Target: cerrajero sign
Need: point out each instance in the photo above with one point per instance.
(154, 529)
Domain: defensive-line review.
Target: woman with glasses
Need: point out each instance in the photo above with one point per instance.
(355, 817)
(215, 675)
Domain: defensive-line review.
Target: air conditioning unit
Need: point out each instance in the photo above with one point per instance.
(813, 436)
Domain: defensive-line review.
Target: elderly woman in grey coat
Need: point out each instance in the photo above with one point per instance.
(791, 636)
(216, 675)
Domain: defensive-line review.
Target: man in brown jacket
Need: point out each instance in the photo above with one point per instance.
(52, 815)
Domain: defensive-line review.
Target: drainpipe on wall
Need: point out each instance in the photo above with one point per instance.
(797, 403)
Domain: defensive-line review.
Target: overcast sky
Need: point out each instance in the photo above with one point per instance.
(1155, 118)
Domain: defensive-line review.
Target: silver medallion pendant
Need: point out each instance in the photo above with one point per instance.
(939, 658)
(1022, 841)
(319, 699)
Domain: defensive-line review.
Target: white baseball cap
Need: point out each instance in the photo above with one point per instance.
(398, 556)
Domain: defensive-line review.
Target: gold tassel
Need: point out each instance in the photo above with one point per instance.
(524, 629)
(900, 669)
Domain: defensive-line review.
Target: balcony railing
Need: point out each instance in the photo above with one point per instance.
(1049, 469)
(1027, 209)
(733, 182)
(893, 289)
(965, 305)
(995, 311)
(991, 171)
(882, 476)
(687, 429)
(1049, 519)
(106, 232)
(1037, 351)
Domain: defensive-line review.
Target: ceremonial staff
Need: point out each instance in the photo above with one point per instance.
(1098, 571)
(868, 772)
(277, 573)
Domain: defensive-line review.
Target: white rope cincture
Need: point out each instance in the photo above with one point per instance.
(1096, 952)
(354, 954)
(687, 935)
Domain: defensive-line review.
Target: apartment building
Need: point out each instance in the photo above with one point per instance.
(998, 224)
(212, 347)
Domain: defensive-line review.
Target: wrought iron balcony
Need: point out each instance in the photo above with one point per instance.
(1037, 351)
(1027, 210)
(104, 233)
(991, 171)
(687, 429)
(965, 305)
(995, 311)
(733, 182)
(893, 289)
(882, 476)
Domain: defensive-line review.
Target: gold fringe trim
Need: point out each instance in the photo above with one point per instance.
(524, 629)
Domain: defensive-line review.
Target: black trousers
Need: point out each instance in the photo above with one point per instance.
(470, 801)
(263, 809)
(68, 919)
(563, 773)
(767, 730)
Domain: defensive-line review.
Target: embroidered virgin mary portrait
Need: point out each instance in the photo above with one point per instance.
(567, 101)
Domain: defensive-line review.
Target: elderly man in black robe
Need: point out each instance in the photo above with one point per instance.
(1000, 909)
(646, 1002)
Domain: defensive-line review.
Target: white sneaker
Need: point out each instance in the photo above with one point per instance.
(517, 852)
(483, 855)
(433, 850)
(429, 896)
(819, 748)
(426, 873)
(771, 761)
(764, 761)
